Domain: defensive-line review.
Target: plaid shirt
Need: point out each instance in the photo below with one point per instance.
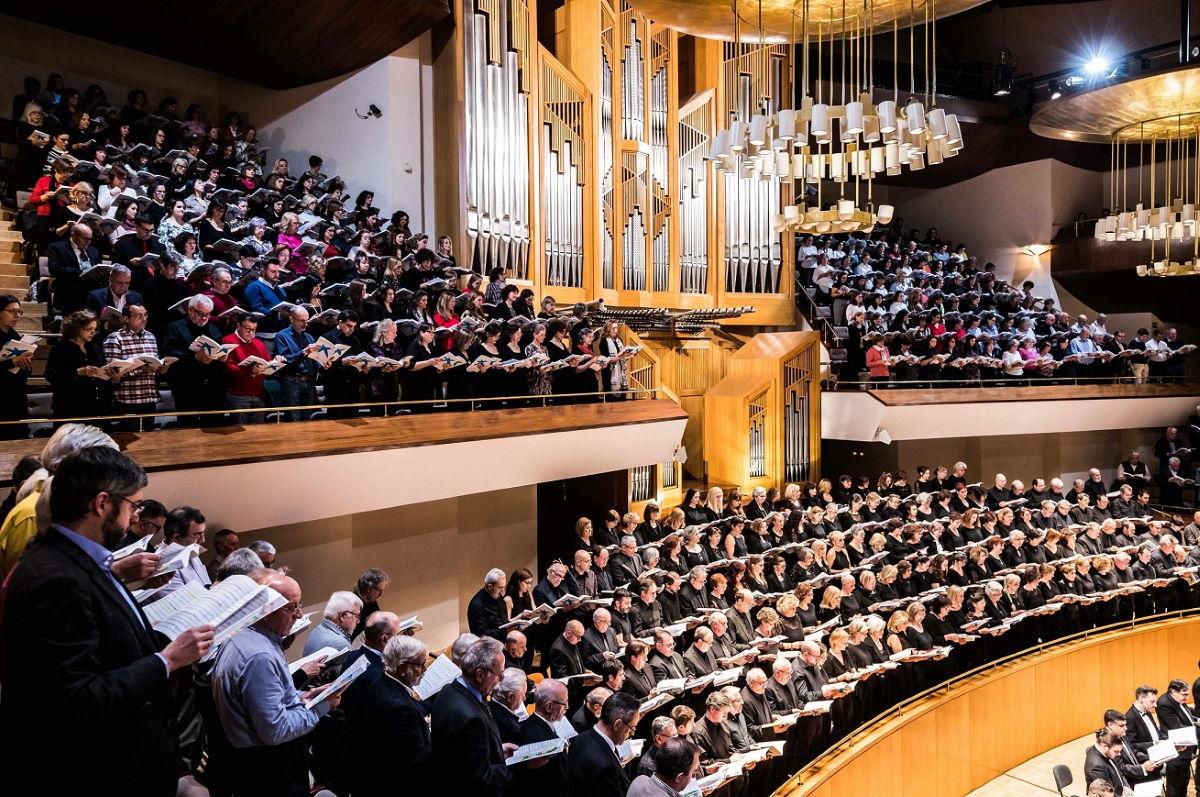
(140, 386)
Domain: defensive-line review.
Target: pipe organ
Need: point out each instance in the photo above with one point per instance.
(695, 137)
(563, 169)
(497, 87)
(581, 168)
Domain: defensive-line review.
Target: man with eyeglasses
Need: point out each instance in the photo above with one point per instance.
(117, 296)
(594, 766)
(135, 393)
(297, 379)
(82, 664)
(548, 775)
(14, 373)
(262, 714)
(222, 299)
(185, 526)
(195, 379)
(468, 755)
(132, 249)
(1173, 713)
(342, 611)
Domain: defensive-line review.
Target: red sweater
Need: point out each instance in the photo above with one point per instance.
(241, 381)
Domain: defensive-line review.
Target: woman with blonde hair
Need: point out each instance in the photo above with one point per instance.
(768, 622)
(791, 626)
(831, 604)
(916, 634)
(791, 498)
(714, 504)
(837, 558)
(897, 628)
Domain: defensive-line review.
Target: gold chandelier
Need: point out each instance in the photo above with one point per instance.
(847, 139)
(1165, 209)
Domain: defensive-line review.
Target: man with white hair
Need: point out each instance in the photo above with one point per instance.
(265, 550)
(699, 658)
(626, 565)
(1094, 486)
(508, 703)
(468, 754)
(600, 642)
(756, 705)
(735, 721)
(342, 611)
(486, 612)
(757, 508)
(195, 379)
(388, 724)
(549, 707)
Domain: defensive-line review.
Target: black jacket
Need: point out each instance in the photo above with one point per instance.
(593, 768)
(385, 723)
(485, 615)
(467, 756)
(548, 779)
(80, 665)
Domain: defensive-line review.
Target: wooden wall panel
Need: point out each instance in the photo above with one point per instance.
(955, 741)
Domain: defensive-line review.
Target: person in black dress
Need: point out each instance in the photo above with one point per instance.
(515, 382)
(383, 383)
(458, 381)
(73, 370)
(562, 380)
(491, 381)
(422, 379)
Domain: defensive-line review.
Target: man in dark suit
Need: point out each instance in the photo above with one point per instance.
(599, 640)
(1173, 712)
(67, 261)
(647, 614)
(549, 707)
(626, 565)
(196, 379)
(1101, 763)
(693, 595)
(130, 250)
(699, 658)
(565, 656)
(486, 612)
(756, 706)
(387, 724)
(508, 703)
(468, 756)
(664, 661)
(710, 731)
(1134, 766)
(81, 664)
(593, 766)
(380, 627)
(116, 295)
(588, 713)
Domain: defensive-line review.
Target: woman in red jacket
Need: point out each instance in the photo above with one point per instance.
(877, 360)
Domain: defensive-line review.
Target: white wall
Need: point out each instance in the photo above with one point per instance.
(391, 156)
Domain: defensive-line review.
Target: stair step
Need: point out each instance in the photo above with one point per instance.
(9, 234)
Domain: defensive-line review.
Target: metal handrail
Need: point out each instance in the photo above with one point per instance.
(472, 404)
(797, 780)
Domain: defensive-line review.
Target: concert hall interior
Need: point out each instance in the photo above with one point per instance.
(600, 398)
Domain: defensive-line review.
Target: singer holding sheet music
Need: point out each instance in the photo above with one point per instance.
(14, 373)
(81, 664)
(73, 370)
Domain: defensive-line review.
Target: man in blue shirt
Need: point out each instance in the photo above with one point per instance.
(1085, 348)
(81, 663)
(263, 294)
(297, 379)
(263, 716)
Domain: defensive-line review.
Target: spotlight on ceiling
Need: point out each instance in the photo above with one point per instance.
(1097, 66)
(1002, 75)
(1056, 89)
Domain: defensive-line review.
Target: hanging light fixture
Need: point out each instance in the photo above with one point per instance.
(1159, 201)
(848, 139)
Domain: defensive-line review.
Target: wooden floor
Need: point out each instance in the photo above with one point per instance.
(968, 395)
(1036, 776)
(173, 449)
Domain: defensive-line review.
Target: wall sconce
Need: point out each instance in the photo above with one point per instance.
(1036, 250)
(372, 110)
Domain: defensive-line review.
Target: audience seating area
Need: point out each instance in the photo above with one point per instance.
(902, 309)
